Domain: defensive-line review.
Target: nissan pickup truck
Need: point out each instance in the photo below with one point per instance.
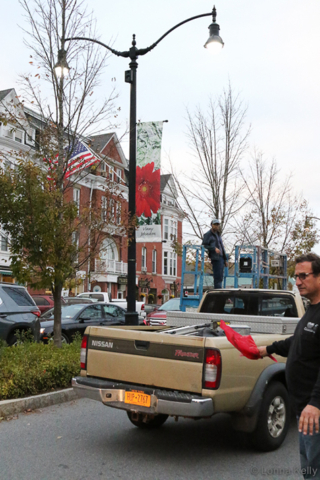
(192, 371)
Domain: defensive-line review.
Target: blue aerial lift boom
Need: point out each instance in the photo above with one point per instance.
(251, 261)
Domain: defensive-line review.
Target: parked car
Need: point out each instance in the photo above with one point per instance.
(44, 302)
(66, 301)
(18, 312)
(159, 316)
(76, 318)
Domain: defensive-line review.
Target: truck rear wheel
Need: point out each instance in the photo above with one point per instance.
(274, 417)
(143, 420)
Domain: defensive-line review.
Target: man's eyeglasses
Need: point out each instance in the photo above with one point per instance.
(302, 276)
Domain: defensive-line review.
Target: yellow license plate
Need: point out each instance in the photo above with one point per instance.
(137, 398)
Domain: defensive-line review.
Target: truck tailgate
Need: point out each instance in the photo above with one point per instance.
(146, 358)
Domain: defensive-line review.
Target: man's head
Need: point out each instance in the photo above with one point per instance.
(215, 225)
(307, 275)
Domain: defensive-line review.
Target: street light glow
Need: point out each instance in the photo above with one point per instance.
(214, 45)
(61, 71)
(62, 68)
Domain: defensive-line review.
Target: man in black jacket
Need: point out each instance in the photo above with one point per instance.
(303, 365)
(212, 241)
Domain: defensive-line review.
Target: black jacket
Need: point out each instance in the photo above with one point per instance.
(211, 242)
(303, 364)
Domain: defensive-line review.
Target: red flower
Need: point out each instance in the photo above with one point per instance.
(147, 190)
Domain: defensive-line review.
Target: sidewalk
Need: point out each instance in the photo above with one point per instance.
(18, 405)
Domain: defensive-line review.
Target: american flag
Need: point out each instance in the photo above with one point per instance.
(81, 157)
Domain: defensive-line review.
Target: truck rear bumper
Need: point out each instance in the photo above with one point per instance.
(166, 402)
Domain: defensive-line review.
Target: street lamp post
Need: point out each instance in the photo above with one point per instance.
(213, 43)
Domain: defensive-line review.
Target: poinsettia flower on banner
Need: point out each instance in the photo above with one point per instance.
(147, 190)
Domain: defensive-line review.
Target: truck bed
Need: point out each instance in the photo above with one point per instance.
(159, 359)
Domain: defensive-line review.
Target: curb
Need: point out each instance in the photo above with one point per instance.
(18, 405)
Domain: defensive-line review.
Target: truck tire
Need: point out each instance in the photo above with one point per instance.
(147, 421)
(273, 420)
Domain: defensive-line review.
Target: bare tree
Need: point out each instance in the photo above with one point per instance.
(219, 141)
(273, 216)
(67, 111)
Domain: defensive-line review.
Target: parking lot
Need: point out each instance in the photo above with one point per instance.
(84, 440)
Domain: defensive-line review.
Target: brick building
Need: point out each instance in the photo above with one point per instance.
(158, 268)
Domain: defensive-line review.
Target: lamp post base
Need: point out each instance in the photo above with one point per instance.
(131, 318)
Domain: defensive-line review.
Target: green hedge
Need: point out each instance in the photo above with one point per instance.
(33, 368)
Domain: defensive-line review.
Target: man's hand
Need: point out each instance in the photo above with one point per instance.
(308, 419)
(263, 351)
(226, 264)
(218, 251)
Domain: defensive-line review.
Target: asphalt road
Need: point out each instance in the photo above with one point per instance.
(84, 440)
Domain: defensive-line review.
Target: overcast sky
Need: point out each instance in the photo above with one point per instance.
(271, 56)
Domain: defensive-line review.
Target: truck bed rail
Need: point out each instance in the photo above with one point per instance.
(278, 325)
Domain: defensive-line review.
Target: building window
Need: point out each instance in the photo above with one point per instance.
(165, 263)
(112, 210)
(118, 213)
(166, 229)
(111, 174)
(173, 264)
(103, 167)
(30, 137)
(154, 261)
(4, 243)
(173, 230)
(109, 251)
(76, 198)
(18, 136)
(118, 175)
(75, 241)
(143, 259)
(104, 207)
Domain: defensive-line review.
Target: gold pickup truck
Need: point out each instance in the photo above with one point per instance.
(192, 371)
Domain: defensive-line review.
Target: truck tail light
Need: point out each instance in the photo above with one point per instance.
(83, 353)
(36, 312)
(212, 368)
(142, 307)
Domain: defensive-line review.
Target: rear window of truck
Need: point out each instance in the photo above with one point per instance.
(254, 303)
(278, 306)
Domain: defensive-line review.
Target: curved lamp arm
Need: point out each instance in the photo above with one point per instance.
(133, 53)
(115, 52)
(143, 51)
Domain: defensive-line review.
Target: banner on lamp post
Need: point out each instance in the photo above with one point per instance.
(149, 137)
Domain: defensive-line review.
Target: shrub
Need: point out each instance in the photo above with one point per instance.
(34, 368)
